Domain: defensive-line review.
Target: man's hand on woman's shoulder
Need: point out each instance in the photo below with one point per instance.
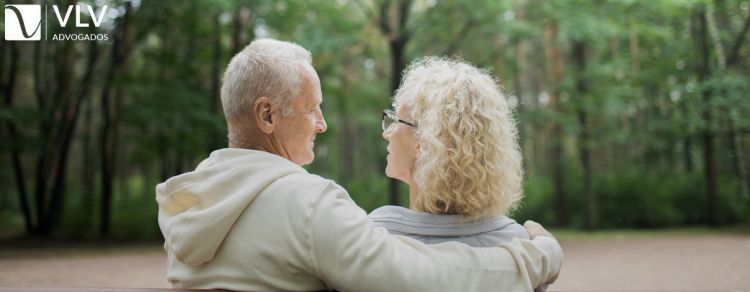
(536, 229)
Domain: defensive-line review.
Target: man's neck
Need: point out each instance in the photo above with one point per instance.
(266, 145)
(250, 145)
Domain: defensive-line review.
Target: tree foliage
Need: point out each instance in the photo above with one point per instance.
(621, 123)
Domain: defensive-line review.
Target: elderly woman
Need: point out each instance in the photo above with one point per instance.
(453, 140)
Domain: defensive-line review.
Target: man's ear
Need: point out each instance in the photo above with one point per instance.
(262, 109)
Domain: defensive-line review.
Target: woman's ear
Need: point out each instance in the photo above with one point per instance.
(262, 109)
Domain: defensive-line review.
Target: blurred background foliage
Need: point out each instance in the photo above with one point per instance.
(632, 114)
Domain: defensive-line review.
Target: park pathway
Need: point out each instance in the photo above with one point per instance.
(705, 262)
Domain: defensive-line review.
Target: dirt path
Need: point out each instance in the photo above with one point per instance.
(674, 263)
(671, 263)
(132, 268)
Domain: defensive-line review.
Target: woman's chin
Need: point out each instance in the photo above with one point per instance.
(389, 172)
(394, 176)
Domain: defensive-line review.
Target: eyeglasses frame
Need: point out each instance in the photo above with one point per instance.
(392, 115)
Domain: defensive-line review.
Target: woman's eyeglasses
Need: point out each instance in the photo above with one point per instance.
(390, 118)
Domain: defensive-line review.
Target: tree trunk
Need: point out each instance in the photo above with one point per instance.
(70, 120)
(392, 24)
(688, 154)
(87, 170)
(554, 76)
(733, 139)
(218, 140)
(347, 123)
(239, 39)
(497, 57)
(635, 68)
(53, 125)
(3, 45)
(106, 145)
(148, 181)
(40, 91)
(734, 54)
(687, 146)
(110, 114)
(713, 31)
(738, 161)
(579, 57)
(161, 148)
(709, 158)
(522, 89)
(15, 152)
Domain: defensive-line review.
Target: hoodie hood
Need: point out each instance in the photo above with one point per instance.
(198, 208)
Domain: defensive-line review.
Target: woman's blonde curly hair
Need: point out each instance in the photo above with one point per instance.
(469, 162)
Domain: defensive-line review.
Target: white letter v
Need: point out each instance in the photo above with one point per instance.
(63, 21)
(98, 22)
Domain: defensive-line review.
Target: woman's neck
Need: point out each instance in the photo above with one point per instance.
(413, 194)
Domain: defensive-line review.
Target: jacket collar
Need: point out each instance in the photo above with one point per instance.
(400, 219)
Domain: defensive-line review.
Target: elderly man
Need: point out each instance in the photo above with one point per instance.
(249, 217)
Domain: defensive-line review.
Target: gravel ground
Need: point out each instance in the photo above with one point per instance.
(142, 267)
(673, 263)
(702, 262)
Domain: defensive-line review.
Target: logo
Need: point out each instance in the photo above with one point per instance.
(23, 22)
(63, 20)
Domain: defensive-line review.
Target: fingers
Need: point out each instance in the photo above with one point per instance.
(535, 229)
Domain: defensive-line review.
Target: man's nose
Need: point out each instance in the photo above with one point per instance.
(320, 123)
(387, 134)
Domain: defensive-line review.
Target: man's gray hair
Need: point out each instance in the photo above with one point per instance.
(267, 68)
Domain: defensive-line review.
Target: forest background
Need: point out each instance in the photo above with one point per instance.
(631, 114)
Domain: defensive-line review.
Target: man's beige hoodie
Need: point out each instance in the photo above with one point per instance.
(250, 220)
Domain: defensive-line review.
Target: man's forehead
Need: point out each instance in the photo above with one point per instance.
(313, 91)
(316, 86)
(317, 99)
(310, 72)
